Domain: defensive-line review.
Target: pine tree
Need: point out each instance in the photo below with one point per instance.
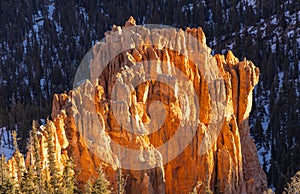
(121, 182)
(37, 157)
(68, 186)
(47, 187)
(294, 185)
(7, 183)
(19, 167)
(88, 187)
(101, 185)
(17, 153)
(28, 184)
(55, 177)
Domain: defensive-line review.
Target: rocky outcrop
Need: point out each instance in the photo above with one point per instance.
(149, 86)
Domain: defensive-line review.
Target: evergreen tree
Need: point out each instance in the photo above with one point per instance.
(28, 184)
(7, 183)
(37, 157)
(101, 185)
(294, 185)
(47, 187)
(55, 177)
(68, 185)
(19, 166)
(121, 182)
(88, 188)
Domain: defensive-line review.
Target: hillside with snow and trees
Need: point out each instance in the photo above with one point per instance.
(42, 43)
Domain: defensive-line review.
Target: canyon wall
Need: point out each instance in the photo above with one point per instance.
(129, 111)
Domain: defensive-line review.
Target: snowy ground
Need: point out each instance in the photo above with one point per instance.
(6, 147)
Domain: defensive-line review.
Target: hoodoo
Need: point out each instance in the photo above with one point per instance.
(146, 84)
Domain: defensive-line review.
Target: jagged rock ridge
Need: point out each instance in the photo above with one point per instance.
(229, 166)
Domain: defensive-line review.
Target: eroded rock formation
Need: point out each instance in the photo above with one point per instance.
(115, 108)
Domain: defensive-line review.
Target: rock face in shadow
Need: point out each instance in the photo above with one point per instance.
(131, 110)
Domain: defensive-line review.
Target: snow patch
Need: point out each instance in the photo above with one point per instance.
(264, 157)
(230, 46)
(51, 9)
(273, 48)
(251, 3)
(280, 79)
(6, 147)
(274, 20)
(189, 7)
(290, 33)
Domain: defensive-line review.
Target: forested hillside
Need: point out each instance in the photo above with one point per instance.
(43, 42)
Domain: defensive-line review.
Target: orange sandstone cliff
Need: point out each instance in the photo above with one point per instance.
(96, 115)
